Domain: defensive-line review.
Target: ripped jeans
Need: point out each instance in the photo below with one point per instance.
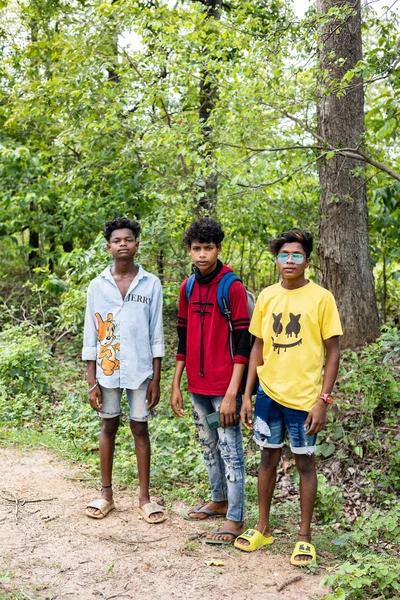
(223, 455)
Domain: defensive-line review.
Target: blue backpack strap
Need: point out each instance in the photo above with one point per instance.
(189, 287)
(223, 293)
(224, 304)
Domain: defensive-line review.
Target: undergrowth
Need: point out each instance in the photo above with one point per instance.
(43, 400)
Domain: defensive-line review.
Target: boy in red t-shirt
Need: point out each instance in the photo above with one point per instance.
(214, 376)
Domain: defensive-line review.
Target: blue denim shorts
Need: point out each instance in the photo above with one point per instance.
(111, 403)
(272, 420)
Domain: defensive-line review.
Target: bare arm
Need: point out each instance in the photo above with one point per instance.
(228, 408)
(95, 394)
(153, 390)
(331, 364)
(317, 416)
(256, 360)
(176, 400)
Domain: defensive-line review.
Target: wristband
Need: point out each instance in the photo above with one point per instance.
(92, 388)
(327, 398)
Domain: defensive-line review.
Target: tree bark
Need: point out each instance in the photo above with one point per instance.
(34, 253)
(112, 70)
(344, 238)
(208, 96)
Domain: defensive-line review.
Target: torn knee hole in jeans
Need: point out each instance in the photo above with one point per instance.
(197, 422)
(234, 471)
(261, 426)
(209, 458)
(233, 468)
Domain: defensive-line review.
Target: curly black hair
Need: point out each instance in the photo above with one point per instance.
(293, 235)
(121, 223)
(203, 230)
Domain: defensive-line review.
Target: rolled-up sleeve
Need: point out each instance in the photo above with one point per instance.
(156, 322)
(89, 350)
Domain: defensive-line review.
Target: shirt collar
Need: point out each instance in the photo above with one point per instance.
(107, 273)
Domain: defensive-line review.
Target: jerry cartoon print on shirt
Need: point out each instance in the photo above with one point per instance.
(107, 358)
(292, 329)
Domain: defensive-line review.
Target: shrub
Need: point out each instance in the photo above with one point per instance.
(329, 502)
(373, 566)
(23, 360)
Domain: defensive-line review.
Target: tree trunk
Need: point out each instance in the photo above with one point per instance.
(161, 266)
(33, 256)
(208, 96)
(113, 42)
(344, 239)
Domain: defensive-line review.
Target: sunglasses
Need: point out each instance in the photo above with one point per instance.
(297, 257)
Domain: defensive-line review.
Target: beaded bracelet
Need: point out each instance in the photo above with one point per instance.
(92, 388)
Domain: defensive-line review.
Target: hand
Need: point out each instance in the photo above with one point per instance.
(316, 418)
(153, 394)
(95, 399)
(176, 401)
(228, 411)
(246, 414)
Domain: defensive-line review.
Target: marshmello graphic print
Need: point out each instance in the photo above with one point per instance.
(285, 331)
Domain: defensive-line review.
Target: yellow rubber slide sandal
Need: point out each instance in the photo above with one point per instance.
(255, 540)
(303, 549)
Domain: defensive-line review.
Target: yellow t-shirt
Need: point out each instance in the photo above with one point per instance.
(293, 325)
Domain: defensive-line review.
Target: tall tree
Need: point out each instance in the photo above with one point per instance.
(208, 96)
(344, 239)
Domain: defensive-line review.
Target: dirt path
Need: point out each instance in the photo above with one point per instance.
(50, 550)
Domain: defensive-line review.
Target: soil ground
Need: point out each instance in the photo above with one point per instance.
(51, 550)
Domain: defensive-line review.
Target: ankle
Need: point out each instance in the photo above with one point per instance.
(306, 535)
(144, 499)
(106, 492)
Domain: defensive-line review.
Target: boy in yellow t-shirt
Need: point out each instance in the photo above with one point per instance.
(296, 325)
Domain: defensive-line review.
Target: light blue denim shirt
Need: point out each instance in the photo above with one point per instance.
(123, 335)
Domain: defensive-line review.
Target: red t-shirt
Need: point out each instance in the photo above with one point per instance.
(209, 363)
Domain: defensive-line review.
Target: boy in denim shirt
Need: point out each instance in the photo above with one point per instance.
(123, 346)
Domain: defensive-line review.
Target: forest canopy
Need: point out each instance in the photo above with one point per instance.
(215, 110)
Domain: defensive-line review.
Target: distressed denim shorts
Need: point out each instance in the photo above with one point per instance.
(272, 420)
(111, 403)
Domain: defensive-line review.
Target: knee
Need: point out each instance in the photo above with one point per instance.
(270, 458)
(109, 427)
(305, 463)
(139, 429)
(230, 453)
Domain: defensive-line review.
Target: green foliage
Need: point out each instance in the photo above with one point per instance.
(93, 127)
(385, 231)
(23, 410)
(362, 428)
(368, 571)
(390, 340)
(329, 502)
(368, 380)
(23, 360)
